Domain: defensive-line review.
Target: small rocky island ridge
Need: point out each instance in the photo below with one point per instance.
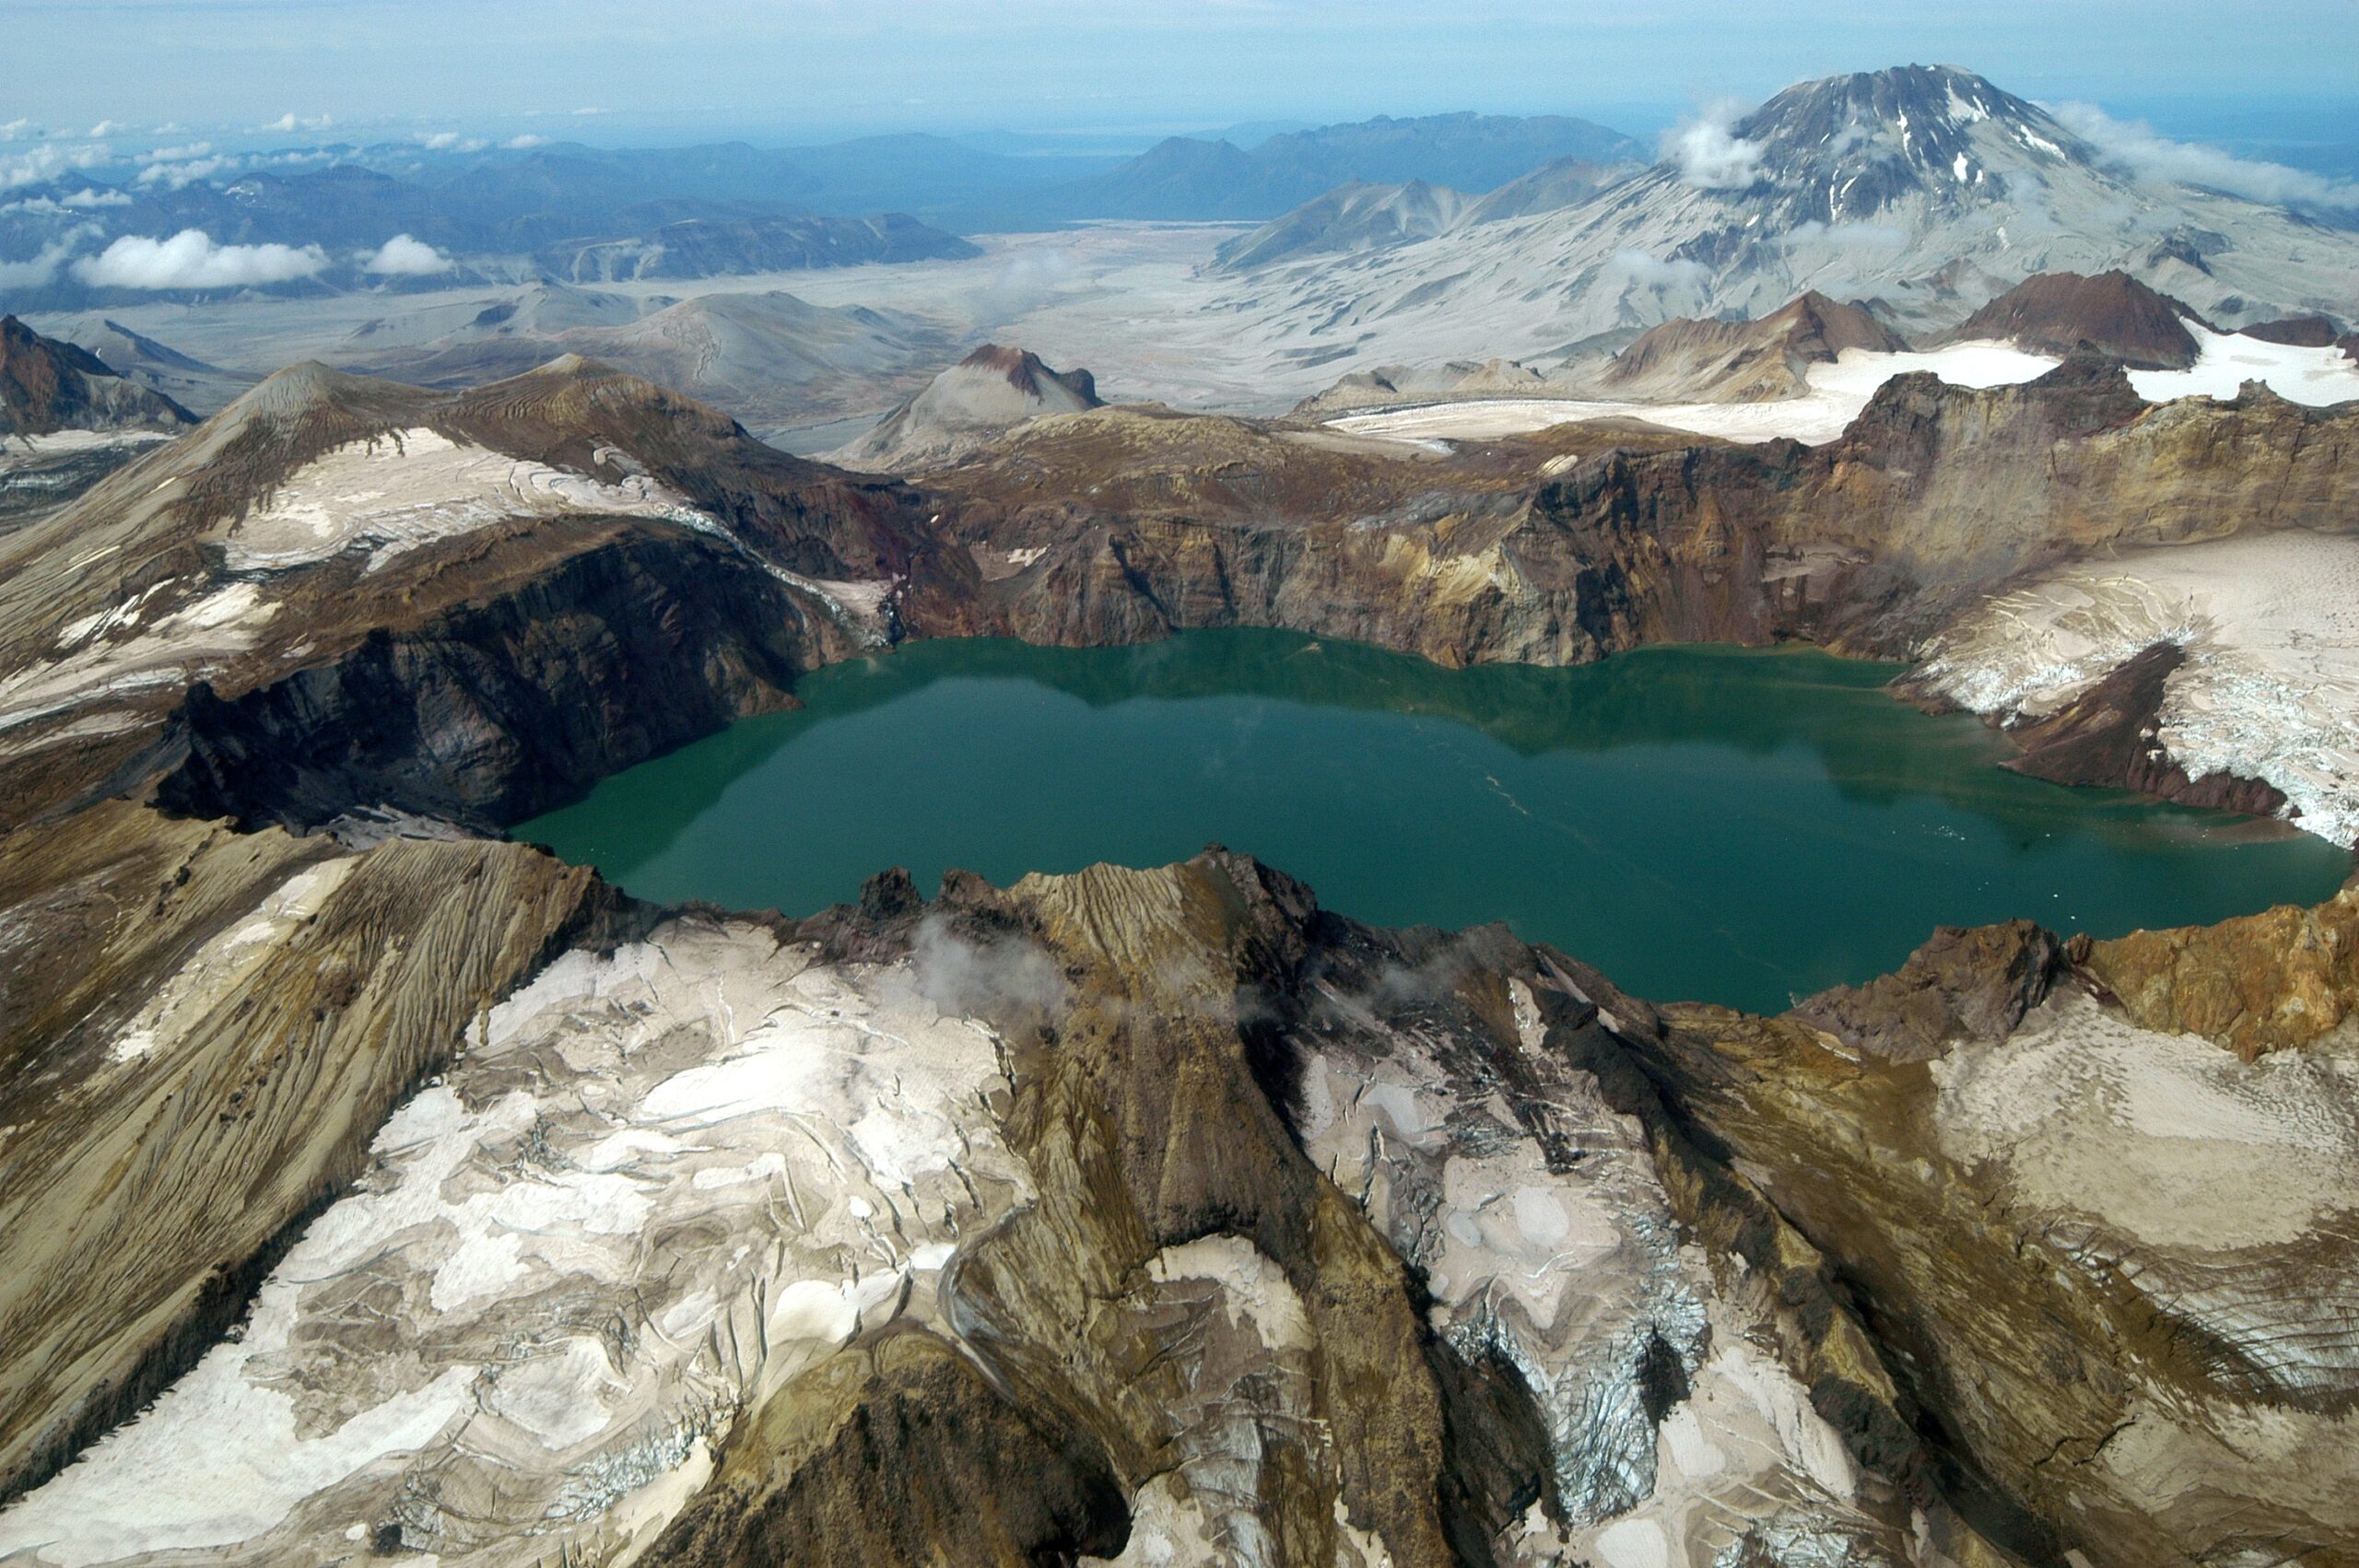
(376, 1186)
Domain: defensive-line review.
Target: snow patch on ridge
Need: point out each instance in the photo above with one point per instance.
(395, 493)
(2224, 361)
(1837, 394)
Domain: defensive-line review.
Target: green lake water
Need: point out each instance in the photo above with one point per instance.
(1699, 823)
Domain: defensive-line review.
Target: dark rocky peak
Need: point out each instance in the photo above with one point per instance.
(48, 385)
(2088, 392)
(309, 386)
(1747, 361)
(2112, 312)
(1816, 322)
(1845, 147)
(2300, 332)
(1028, 373)
(301, 412)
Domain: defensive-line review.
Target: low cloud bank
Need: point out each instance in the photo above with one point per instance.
(191, 260)
(36, 270)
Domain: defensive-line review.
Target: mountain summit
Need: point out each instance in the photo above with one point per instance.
(1926, 189)
(975, 401)
(1846, 148)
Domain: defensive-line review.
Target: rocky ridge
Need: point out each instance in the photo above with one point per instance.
(47, 386)
(1713, 361)
(1232, 1225)
(985, 395)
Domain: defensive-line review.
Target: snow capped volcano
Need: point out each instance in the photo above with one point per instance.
(1923, 188)
(1849, 148)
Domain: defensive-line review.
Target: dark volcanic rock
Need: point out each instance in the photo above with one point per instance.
(2302, 332)
(47, 386)
(2107, 736)
(609, 659)
(2112, 312)
(1745, 361)
(931, 1454)
(1963, 984)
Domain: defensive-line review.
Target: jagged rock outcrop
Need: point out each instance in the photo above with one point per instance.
(974, 403)
(2177, 1365)
(2112, 312)
(334, 528)
(1715, 361)
(2302, 332)
(2280, 980)
(2110, 734)
(47, 386)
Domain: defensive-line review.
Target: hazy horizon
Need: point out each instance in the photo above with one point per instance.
(816, 70)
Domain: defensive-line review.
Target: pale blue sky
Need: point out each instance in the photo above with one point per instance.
(805, 66)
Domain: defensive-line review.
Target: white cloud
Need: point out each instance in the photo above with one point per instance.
(1710, 155)
(74, 201)
(2131, 148)
(441, 140)
(19, 129)
(404, 257)
(106, 128)
(174, 155)
(191, 260)
(42, 268)
(1653, 272)
(47, 161)
(290, 123)
(1845, 236)
(518, 144)
(175, 175)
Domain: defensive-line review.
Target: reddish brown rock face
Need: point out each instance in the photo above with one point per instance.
(1745, 361)
(47, 386)
(2113, 312)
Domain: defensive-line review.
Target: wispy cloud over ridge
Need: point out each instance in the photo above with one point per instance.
(1710, 155)
(2134, 148)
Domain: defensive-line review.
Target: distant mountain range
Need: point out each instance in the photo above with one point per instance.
(606, 217)
(1362, 216)
(1923, 190)
(587, 213)
(1182, 178)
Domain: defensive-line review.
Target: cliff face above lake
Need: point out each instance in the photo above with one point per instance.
(1133, 1215)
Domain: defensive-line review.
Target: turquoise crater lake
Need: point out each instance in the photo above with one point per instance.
(1703, 824)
